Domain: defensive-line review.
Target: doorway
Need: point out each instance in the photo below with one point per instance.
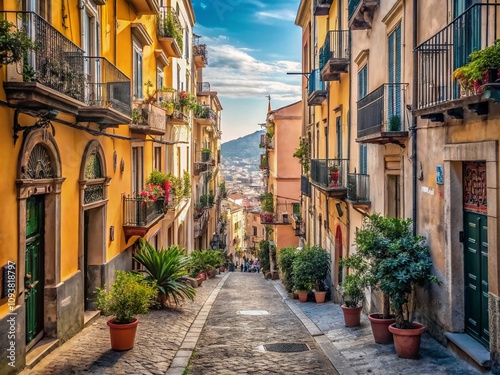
(34, 273)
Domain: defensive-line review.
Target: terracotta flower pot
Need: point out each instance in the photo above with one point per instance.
(352, 316)
(407, 341)
(122, 335)
(380, 328)
(302, 296)
(319, 297)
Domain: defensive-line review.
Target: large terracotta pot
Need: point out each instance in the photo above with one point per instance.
(319, 297)
(211, 273)
(352, 316)
(380, 328)
(407, 341)
(302, 296)
(122, 335)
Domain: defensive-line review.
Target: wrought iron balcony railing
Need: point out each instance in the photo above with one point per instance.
(200, 54)
(56, 62)
(305, 186)
(330, 173)
(106, 85)
(204, 157)
(205, 112)
(266, 142)
(316, 92)
(358, 187)
(140, 214)
(203, 87)
(200, 223)
(449, 49)
(264, 163)
(382, 110)
(335, 54)
(169, 31)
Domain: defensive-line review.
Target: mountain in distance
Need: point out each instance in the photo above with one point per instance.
(243, 147)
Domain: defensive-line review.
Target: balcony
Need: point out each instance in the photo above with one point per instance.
(264, 163)
(148, 119)
(266, 142)
(175, 206)
(334, 55)
(203, 88)
(200, 55)
(200, 223)
(305, 186)
(330, 176)
(317, 92)
(139, 215)
(322, 7)
(107, 94)
(381, 117)
(358, 190)
(146, 7)
(360, 13)
(52, 76)
(449, 49)
(169, 32)
(205, 115)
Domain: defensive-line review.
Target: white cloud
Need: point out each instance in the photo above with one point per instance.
(235, 73)
(279, 14)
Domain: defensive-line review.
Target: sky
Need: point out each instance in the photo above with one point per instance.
(251, 44)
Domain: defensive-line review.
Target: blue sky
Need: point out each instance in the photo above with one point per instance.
(252, 44)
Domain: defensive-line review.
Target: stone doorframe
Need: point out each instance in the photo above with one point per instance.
(99, 204)
(28, 186)
(454, 155)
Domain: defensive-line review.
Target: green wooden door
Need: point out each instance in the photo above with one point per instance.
(34, 267)
(476, 276)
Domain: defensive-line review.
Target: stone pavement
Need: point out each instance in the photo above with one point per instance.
(159, 336)
(222, 333)
(353, 351)
(232, 339)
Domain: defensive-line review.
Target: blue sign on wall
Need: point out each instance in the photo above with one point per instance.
(439, 174)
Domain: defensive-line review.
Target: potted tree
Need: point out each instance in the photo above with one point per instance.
(352, 288)
(407, 265)
(310, 269)
(286, 256)
(130, 295)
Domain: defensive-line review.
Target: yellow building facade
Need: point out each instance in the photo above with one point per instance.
(86, 120)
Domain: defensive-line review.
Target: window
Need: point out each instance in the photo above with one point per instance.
(363, 82)
(363, 159)
(254, 231)
(394, 73)
(137, 169)
(137, 72)
(338, 124)
(159, 77)
(157, 158)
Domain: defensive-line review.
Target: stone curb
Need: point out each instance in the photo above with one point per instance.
(331, 352)
(183, 355)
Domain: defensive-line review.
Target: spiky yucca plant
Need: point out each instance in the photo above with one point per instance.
(167, 268)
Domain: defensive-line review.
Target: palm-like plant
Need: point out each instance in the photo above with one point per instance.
(167, 268)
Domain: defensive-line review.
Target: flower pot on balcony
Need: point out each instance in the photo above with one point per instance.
(334, 177)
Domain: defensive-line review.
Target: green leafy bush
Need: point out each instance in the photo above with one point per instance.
(310, 268)
(14, 43)
(286, 255)
(264, 256)
(130, 295)
(352, 288)
(166, 268)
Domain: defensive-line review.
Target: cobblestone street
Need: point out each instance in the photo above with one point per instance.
(225, 329)
(231, 342)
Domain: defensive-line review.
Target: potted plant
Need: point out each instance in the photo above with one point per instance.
(205, 154)
(303, 154)
(130, 295)
(334, 175)
(483, 67)
(310, 268)
(286, 256)
(14, 44)
(352, 288)
(407, 265)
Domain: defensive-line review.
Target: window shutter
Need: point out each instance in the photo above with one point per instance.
(363, 159)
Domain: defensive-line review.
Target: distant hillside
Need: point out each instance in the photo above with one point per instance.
(243, 147)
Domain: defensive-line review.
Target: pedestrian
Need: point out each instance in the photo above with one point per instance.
(241, 267)
(256, 265)
(246, 265)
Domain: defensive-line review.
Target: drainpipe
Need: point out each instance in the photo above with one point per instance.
(413, 129)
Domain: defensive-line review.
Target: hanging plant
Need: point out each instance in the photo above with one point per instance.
(302, 153)
(14, 43)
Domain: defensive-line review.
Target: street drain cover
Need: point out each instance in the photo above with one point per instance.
(254, 312)
(286, 347)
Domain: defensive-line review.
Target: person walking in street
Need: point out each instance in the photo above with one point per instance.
(256, 265)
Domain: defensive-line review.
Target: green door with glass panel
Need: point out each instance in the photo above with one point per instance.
(476, 251)
(33, 280)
